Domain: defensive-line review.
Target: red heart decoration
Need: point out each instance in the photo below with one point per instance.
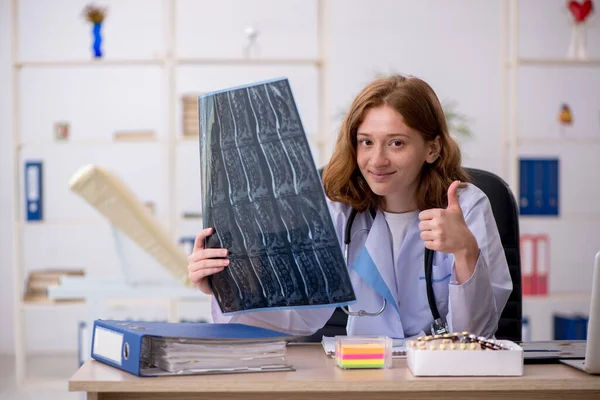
(580, 10)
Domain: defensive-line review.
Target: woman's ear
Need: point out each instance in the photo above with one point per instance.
(434, 150)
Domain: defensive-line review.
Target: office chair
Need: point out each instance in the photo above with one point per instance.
(506, 214)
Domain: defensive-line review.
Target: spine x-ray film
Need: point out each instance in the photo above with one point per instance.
(262, 194)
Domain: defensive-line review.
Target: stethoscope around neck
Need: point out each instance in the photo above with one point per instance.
(439, 325)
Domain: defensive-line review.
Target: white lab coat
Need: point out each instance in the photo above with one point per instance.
(474, 305)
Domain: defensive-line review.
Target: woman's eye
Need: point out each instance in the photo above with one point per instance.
(366, 142)
(397, 143)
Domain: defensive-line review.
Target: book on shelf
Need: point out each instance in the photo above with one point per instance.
(190, 114)
(38, 283)
(134, 136)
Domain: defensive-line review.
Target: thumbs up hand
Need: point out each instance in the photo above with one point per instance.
(446, 230)
(453, 204)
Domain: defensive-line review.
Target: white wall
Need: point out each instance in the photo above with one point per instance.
(454, 45)
(6, 201)
(435, 40)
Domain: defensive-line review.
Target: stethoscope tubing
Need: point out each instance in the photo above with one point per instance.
(428, 261)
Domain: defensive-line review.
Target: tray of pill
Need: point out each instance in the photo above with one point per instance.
(464, 354)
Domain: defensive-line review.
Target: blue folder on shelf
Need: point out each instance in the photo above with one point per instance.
(539, 186)
(34, 191)
(157, 348)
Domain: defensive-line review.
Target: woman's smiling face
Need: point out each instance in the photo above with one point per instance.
(390, 156)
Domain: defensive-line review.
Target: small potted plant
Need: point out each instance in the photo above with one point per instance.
(458, 123)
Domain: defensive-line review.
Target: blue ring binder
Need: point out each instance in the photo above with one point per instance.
(33, 190)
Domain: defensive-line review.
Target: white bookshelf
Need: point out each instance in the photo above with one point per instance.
(557, 141)
(556, 62)
(512, 62)
(242, 61)
(87, 63)
(540, 308)
(169, 62)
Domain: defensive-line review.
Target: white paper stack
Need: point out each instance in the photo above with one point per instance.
(185, 356)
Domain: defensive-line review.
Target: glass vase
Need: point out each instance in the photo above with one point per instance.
(97, 35)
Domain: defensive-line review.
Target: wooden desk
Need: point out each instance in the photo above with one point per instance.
(317, 378)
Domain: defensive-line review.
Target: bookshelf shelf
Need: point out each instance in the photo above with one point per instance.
(557, 297)
(88, 143)
(188, 139)
(249, 61)
(202, 61)
(564, 217)
(63, 222)
(72, 222)
(558, 62)
(49, 305)
(556, 140)
(87, 63)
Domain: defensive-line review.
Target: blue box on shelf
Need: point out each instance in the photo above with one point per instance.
(570, 327)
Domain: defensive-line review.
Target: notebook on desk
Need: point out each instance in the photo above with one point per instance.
(553, 350)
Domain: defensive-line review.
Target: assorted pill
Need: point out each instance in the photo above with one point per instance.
(456, 341)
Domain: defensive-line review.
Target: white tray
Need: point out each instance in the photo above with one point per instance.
(467, 362)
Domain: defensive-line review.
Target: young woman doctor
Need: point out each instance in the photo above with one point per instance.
(395, 159)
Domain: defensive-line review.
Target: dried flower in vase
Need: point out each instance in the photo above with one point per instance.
(94, 14)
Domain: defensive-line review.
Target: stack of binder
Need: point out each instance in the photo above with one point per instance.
(156, 348)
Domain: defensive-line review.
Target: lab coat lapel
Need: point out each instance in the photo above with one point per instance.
(374, 263)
